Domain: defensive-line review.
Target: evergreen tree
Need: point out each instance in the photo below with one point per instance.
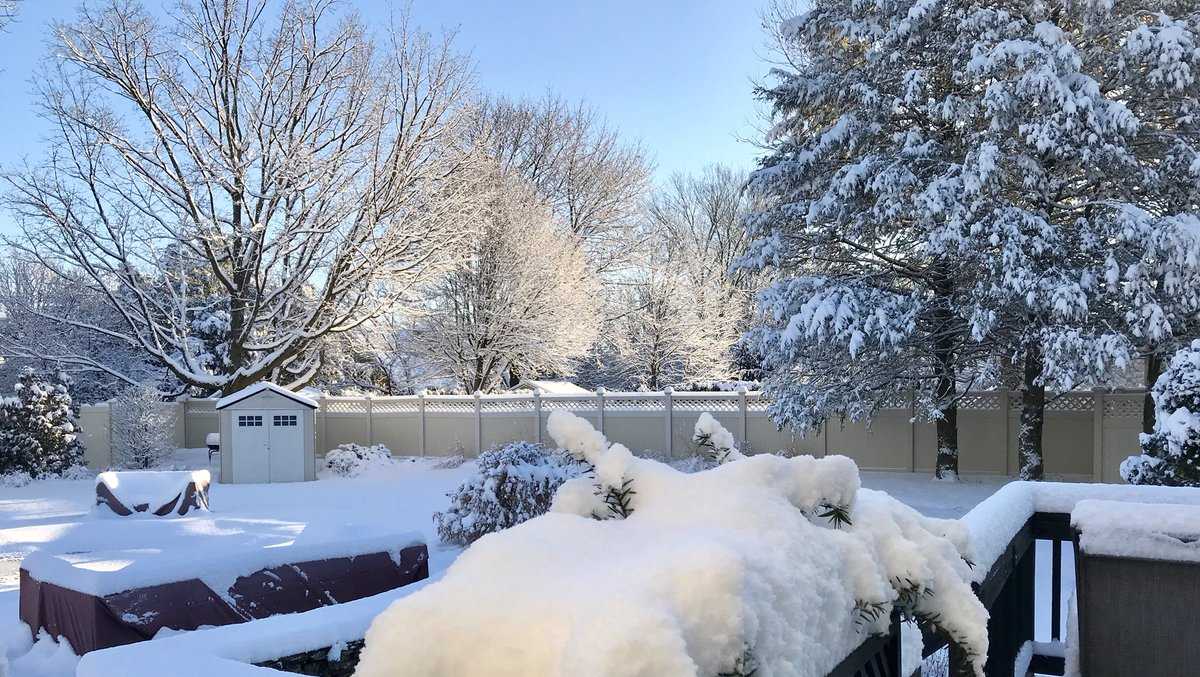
(1171, 454)
(37, 428)
(864, 223)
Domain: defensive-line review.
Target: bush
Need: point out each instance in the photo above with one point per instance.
(513, 483)
(37, 428)
(1171, 454)
(355, 460)
(15, 479)
(142, 429)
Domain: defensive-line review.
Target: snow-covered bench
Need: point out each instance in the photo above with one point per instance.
(152, 493)
(108, 598)
(1137, 574)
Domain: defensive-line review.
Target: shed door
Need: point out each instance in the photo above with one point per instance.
(249, 449)
(287, 446)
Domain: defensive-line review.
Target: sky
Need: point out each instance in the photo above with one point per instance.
(673, 75)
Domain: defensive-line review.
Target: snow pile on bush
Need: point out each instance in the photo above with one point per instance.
(714, 440)
(514, 483)
(765, 565)
(355, 460)
(1171, 454)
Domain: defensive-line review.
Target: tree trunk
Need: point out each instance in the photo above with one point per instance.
(1033, 415)
(947, 390)
(1154, 367)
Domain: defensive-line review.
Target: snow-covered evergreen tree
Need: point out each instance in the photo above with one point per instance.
(864, 220)
(1171, 454)
(142, 428)
(37, 428)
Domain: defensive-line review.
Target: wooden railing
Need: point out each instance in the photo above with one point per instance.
(1008, 592)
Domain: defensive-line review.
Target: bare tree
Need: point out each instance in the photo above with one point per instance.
(97, 365)
(523, 302)
(593, 182)
(240, 181)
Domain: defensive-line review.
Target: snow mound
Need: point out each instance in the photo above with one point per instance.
(150, 492)
(355, 460)
(765, 564)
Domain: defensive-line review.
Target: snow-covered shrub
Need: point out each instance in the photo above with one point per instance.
(356, 460)
(449, 462)
(15, 480)
(726, 570)
(1171, 454)
(714, 440)
(513, 483)
(77, 472)
(142, 429)
(37, 428)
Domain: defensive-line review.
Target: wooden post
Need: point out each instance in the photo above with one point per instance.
(537, 412)
(668, 415)
(421, 420)
(600, 408)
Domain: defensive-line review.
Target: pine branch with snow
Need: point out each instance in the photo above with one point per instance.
(38, 435)
(1171, 454)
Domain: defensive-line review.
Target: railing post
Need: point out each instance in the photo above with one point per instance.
(1097, 435)
(421, 420)
(478, 425)
(600, 408)
(668, 414)
(537, 413)
(745, 425)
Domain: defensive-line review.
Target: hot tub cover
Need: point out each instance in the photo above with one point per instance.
(84, 610)
(157, 493)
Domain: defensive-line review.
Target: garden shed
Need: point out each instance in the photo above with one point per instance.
(267, 435)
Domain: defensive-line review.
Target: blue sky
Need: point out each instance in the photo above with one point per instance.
(674, 74)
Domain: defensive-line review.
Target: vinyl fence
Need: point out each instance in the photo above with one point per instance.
(1087, 434)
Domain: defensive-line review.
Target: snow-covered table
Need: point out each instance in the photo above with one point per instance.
(107, 598)
(1137, 588)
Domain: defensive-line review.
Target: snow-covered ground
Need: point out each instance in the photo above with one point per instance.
(56, 515)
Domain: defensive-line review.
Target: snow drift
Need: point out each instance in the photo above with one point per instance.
(765, 564)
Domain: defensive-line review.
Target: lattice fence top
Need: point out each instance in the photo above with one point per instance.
(393, 405)
(440, 405)
(345, 406)
(1124, 406)
(700, 404)
(1073, 402)
(980, 401)
(506, 406)
(569, 404)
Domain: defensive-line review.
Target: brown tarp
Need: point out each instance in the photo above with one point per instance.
(90, 622)
(193, 497)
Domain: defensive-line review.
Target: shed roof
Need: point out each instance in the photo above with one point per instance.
(264, 386)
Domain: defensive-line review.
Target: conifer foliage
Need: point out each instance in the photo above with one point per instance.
(1171, 454)
(37, 428)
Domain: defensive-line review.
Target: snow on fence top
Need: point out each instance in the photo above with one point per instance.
(1143, 530)
(215, 551)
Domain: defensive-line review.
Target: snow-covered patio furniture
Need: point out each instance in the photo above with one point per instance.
(108, 598)
(152, 493)
(213, 442)
(1137, 588)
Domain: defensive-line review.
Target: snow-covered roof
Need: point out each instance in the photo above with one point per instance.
(553, 387)
(264, 386)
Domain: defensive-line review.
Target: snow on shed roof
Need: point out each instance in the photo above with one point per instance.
(553, 387)
(261, 387)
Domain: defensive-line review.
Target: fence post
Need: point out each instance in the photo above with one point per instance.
(1004, 395)
(323, 413)
(478, 424)
(1097, 435)
(668, 411)
(181, 406)
(537, 413)
(421, 420)
(600, 408)
(370, 421)
(742, 409)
